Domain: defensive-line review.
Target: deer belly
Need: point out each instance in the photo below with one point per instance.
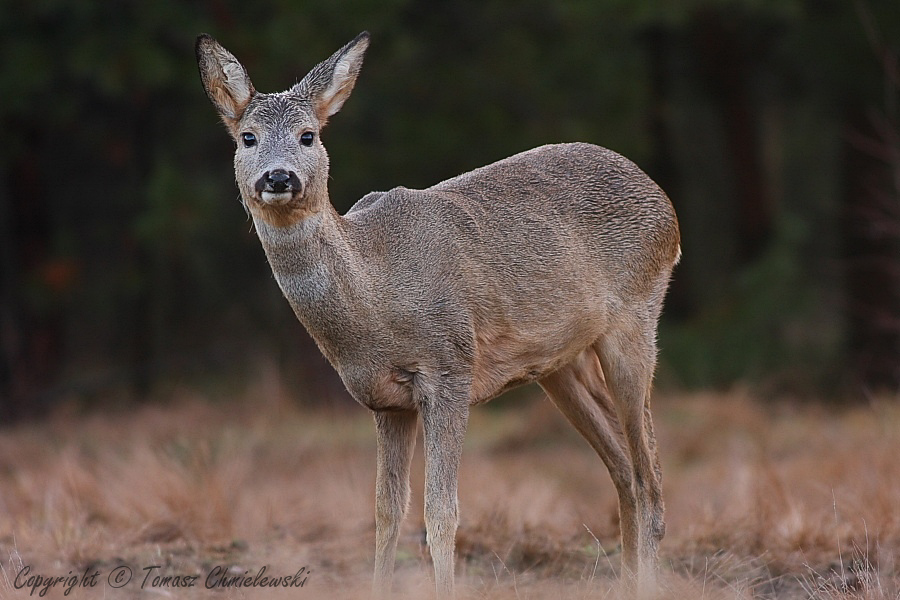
(504, 360)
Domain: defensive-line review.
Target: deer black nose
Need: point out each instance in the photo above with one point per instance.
(278, 180)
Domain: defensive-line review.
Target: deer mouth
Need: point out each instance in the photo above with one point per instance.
(278, 187)
(278, 198)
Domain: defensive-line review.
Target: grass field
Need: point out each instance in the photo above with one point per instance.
(764, 500)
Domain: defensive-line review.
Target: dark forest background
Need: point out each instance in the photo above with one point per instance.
(129, 268)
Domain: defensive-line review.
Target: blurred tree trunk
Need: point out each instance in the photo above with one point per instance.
(871, 251)
(150, 326)
(10, 334)
(31, 331)
(871, 226)
(725, 63)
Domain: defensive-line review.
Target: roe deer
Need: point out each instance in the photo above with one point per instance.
(548, 266)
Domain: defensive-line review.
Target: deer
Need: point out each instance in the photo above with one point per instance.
(549, 266)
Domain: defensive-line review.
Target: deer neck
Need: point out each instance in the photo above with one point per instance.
(319, 273)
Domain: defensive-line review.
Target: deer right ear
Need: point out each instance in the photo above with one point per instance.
(224, 78)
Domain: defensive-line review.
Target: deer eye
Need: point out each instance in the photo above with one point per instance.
(306, 138)
(249, 139)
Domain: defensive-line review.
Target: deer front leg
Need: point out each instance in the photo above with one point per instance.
(444, 418)
(396, 440)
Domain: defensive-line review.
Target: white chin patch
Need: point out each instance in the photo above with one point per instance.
(276, 197)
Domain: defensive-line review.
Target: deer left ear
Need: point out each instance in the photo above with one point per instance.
(330, 82)
(224, 78)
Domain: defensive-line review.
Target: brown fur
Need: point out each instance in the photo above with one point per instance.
(277, 216)
(547, 266)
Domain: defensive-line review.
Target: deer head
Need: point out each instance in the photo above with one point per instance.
(280, 163)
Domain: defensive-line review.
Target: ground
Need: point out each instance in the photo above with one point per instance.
(765, 499)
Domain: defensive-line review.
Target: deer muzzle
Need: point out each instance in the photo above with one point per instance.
(278, 185)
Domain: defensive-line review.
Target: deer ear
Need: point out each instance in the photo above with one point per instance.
(330, 82)
(224, 78)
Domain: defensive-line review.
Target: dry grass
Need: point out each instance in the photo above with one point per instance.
(764, 501)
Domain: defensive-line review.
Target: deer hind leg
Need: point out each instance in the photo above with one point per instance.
(396, 433)
(628, 359)
(579, 391)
